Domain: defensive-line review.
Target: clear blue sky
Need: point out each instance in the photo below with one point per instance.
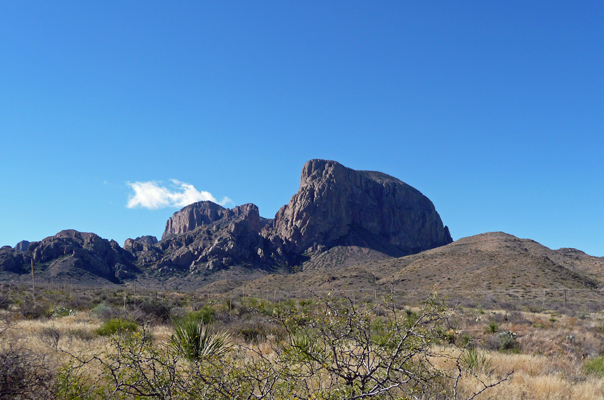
(494, 110)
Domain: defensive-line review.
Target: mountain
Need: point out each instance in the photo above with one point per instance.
(72, 255)
(361, 215)
(336, 205)
(342, 229)
(338, 217)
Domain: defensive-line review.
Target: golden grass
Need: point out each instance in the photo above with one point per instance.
(547, 369)
(538, 377)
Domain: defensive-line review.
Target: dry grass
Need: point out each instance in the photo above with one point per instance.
(553, 350)
(538, 377)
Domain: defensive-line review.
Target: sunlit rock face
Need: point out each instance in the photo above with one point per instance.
(338, 205)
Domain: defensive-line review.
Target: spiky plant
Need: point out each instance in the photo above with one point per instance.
(194, 341)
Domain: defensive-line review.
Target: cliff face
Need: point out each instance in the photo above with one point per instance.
(206, 213)
(335, 205)
(206, 236)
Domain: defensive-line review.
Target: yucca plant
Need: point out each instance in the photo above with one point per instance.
(193, 340)
(476, 361)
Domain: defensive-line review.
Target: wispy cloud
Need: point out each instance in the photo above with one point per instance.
(153, 195)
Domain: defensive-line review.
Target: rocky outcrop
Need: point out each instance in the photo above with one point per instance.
(206, 213)
(337, 205)
(214, 237)
(148, 239)
(22, 245)
(144, 249)
(70, 253)
(13, 261)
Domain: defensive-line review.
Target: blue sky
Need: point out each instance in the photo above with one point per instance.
(494, 110)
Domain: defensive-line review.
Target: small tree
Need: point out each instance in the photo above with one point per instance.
(339, 347)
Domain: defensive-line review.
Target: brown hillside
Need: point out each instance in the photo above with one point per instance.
(492, 261)
(487, 263)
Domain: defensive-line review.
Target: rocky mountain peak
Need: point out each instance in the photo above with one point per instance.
(148, 239)
(207, 213)
(338, 205)
(22, 245)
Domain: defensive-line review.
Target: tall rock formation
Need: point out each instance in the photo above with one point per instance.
(206, 213)
(336, 205)
(22, 245)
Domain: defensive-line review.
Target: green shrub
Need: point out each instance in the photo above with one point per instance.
(61, 311)
(31, 310)
(492, 327)
(5, 302)
(534, 308)
(467, 341)
(594, 367)
(205, 314)
(116, 326)
(507, 340)
(160, 311)
(100, 309)
(476, 361)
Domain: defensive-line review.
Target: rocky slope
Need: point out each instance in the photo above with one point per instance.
(206, 237)
(72, 254)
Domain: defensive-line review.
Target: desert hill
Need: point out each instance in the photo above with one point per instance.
(493, 262)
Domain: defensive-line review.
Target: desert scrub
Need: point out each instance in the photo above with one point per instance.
(358, 356)
(24, 374)
(115, 326)
(61, 311)
(334, 350)
(476, 361)
(205, 314)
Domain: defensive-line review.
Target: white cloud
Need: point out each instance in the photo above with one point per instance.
(225, 200)
(152, 195)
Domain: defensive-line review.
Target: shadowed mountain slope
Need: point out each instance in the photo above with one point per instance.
(487, 262)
